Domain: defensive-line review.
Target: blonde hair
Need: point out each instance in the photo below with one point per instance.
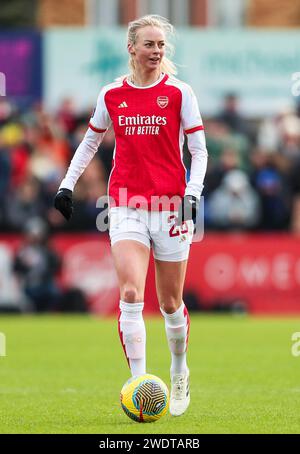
(167, 66)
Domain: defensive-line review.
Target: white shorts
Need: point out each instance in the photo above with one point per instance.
(157, 228)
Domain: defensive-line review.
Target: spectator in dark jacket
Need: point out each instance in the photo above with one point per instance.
(36, 265)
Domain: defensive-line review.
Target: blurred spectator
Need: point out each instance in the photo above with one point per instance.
(66, 116)
(220, 137)
(36, 266)
(7, 111)
(231, 116)
(77, 136)
(268, 136)
(20, 158)
(51, 152)
(229, 160)
(234, 205)
(5, 170)
(23, 204)
(275, 199)
(295, 221)
(290, 136)
(281, 133)
(106, 151)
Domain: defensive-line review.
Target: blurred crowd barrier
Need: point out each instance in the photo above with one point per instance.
(256, 274)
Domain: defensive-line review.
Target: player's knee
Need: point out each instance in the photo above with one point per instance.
(131, 295)
(170, 304)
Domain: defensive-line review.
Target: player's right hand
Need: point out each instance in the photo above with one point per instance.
(63, 202)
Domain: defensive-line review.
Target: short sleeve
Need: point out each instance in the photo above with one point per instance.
(190, 115)
(100, 120)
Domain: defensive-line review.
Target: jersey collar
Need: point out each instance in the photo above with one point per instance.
(163, 77)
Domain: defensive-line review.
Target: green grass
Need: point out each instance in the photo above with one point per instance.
(64, 375)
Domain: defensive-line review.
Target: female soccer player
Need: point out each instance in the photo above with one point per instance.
(150, 202)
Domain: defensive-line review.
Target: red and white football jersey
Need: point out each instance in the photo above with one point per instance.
(149, 125)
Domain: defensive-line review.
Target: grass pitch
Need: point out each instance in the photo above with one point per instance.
(64, 375)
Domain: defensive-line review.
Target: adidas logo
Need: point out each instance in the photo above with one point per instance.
(187, 389)
(123, 104)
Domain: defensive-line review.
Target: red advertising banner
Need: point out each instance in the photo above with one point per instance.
(258, 273)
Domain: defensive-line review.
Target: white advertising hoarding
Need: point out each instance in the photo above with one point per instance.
(256, 65)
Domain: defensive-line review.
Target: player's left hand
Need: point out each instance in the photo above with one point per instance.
(188, 209)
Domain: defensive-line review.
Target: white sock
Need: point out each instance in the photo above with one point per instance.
(133, 336)
(177, 328)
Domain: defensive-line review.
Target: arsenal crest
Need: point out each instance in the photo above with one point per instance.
(162, 101)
